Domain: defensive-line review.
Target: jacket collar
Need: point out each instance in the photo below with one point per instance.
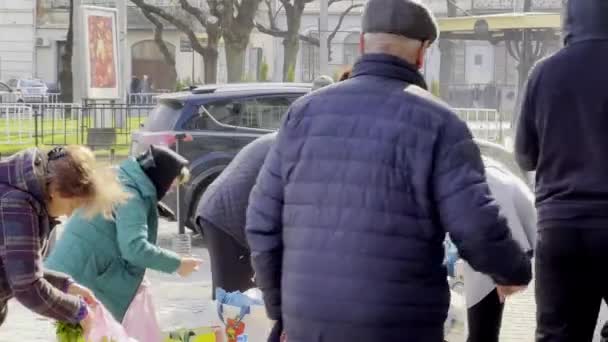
(383, 65)
(133, 175)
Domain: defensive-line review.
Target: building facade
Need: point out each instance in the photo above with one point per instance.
(17, 35)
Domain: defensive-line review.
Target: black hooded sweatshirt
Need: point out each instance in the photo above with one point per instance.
(562, 132)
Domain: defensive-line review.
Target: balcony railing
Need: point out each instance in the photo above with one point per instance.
(514, 5)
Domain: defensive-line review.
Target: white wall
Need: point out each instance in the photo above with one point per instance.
(16, 38)
(479, 62)
(47, 56)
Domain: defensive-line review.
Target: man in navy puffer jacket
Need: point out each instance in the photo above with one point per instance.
(347, 220)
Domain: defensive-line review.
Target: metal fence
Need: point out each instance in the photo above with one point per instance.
(16, 124)
(485, 124)
(99, 126)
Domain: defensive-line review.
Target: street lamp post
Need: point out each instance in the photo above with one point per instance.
(323, 28)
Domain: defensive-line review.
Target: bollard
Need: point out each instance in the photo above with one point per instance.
(182, 244)
(112, 156)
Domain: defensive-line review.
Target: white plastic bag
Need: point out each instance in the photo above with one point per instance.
(105, 328)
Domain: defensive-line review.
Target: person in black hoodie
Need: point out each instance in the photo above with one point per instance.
(562, 135)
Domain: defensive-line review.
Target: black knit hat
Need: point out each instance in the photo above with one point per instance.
(162, 165)
(408, 18)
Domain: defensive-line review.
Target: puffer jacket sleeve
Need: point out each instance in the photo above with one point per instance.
(469, 213)
(265, 231)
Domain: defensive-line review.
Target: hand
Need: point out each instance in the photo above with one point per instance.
(188, 266)
(87, 323)
(506, 291)
(86, 294)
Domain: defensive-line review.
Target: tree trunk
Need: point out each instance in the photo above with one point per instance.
(65, 78)
(210, 66)
(446, 63)
(291, 46)
(446, 47)
(235, 60)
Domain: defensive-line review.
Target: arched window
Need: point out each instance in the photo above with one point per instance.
(310, 59)
(351, 48)
(148, 60)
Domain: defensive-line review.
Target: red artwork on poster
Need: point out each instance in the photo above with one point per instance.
(101, 52)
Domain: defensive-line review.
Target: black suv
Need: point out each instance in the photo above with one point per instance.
(217, 121)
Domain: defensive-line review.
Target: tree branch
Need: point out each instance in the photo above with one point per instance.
(332, 35)
(272, 32)
(205, 19)
(179, 24)
(158, 38)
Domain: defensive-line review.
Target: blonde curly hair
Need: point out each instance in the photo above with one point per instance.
(77, 174)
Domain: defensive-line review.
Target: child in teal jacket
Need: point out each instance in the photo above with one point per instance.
(111, 256)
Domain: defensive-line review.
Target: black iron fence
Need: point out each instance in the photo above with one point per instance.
(99, 126)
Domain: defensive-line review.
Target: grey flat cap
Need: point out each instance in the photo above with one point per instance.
(408, 18)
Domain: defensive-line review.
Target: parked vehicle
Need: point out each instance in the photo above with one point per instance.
(6, 93)
(220, 120)
(28, 91)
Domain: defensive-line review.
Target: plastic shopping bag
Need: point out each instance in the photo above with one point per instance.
(243, 315)
(140, 321)
(106, 329)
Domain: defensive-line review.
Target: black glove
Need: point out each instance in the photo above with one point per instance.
(275, 333)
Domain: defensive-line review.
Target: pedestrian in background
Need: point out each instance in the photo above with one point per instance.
(345, 74)
(561, 135)
(36, 188)
(347, 219)
(322, 81)
(111, 255)
(485, 303)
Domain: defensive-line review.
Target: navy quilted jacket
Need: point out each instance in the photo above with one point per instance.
(348, 216)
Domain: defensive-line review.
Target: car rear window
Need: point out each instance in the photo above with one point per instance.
(32, 84)
(164, 116)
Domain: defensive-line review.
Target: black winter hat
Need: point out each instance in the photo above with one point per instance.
(162, 165)
(408, 18)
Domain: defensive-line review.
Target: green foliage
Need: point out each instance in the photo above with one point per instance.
(264, 70)
(291, 74)
(435, 89)
(68, 332)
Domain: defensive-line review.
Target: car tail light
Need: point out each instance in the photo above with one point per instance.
(165, 139)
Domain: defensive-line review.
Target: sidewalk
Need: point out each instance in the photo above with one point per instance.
(179, 302)
(187, 303)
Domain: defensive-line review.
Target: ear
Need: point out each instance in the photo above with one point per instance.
(362, 43)
(422, 53)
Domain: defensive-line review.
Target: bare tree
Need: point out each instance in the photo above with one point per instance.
(232, 20)
(65, 77)
(237, 20)
(209, 51)
(447, 55)
(160, 42)
(292, 36)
